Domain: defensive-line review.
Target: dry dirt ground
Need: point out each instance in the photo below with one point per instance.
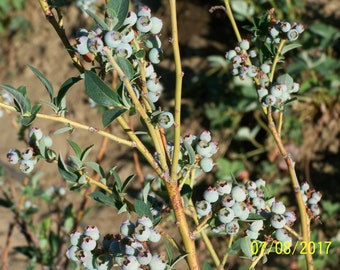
(42, 49)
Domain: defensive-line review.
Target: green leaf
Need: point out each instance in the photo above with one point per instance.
(99, 91)
(289, 47)
(127, 182)
(76, 148)
(126, 66)
(63, 130)
(207, 266)
(86, 152)
(110, 115)
(118, 9)
(286, 79)
(96, 167)
(324, 30)
(98, 20)
(191, 152)
(30, 252)
(118, 181)
(178, 259)
(243, 9)
(146, 191)
(6, 203)
(65, 87)
(227, 168)
(103, 198)
(140, 54)
(23, 105)
(245, 245)
(27, 120)
(168, 251)
(110, 19)
(122, 209)
(253, 216)
(54, 243)
(44, 81)
(76, 162)
(142, 209)
(65, 172)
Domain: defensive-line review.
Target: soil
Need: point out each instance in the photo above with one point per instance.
(199, 37)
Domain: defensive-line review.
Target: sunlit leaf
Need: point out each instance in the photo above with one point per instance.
(118, 9)
(99, 91)
(142, 209)
(44, 81)
(23, 105)
(110, 115)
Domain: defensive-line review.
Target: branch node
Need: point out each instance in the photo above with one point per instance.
(93, 129)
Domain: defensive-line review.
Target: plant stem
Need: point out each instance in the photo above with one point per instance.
(304, 218)
(225, 258)
(172, 185)
(182, 224)
(204, 236)
(58, 27)
(156, 138)
(140, 146)
(276, 59)
(232, 20)
(77, 125)
(178, 89)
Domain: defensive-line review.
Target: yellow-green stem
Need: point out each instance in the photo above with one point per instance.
(205, 237)
(76, 125)
(61, 33)
(276, 59)
(182, 224)
(178, 90)
(156, 138)
(172, 185)
(139, 145)
(304, 218)
(225, 258)
(232, 20)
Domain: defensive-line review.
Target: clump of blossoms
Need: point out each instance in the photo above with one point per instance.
(311, 199)
(128, 249)
(230, 207)
(137, 37)
(38, 147)
(257, 63)
(196, 150)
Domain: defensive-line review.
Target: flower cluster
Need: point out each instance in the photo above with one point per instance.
(38, 146)
(248, 63)
(196, 149)
(285, 30)
(127, 249)
(137, 36)
(205, 147)
(231, 204)
(311, 199)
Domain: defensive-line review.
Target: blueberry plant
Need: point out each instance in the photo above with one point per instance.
(121, 81)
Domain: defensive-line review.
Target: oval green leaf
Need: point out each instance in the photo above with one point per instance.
(99, 91)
